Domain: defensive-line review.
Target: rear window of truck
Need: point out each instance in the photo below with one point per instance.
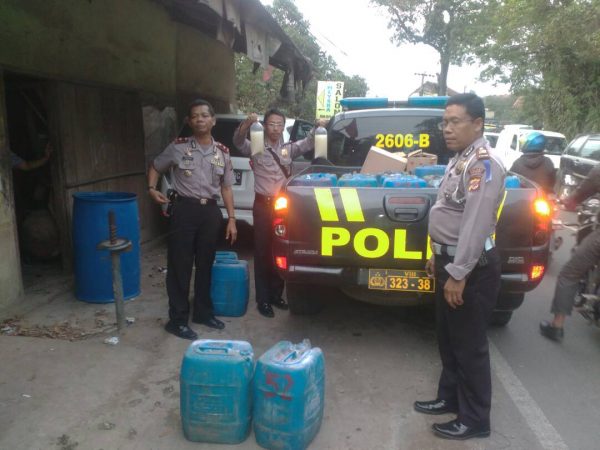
(351, 138)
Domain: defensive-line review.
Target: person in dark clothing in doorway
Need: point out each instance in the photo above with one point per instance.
(532, 164)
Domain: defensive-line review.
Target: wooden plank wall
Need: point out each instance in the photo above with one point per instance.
(101, 149)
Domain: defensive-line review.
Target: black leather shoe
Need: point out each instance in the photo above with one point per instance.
(211, 322)
(551, 332)
(280, 303)
(265, 309)
(435, 407)
(181, 331)
(458, 431)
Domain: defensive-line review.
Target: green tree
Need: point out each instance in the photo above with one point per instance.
(255, 94)
(549, 50)
(441, 24)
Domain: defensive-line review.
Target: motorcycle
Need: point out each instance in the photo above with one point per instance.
(587, 300)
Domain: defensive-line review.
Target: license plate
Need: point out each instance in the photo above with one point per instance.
(238, 177)
(400, 280)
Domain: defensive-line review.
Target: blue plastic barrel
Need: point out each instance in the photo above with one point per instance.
(512, 182)
(357, 180)
(406, 181)
(315, 179)
(216, 391)
(436, 169)
(93, 270)
(229, 287)
(289, 394)
(221, 254)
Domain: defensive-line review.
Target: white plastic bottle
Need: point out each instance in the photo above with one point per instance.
(257, 138)
(321, 143)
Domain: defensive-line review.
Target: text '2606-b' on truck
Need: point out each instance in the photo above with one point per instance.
(336, 229)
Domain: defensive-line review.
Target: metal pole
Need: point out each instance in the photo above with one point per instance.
(117, 281)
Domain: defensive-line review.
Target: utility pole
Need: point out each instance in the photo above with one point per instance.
(423, 75)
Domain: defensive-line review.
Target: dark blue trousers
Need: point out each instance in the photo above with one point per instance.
(462, 340)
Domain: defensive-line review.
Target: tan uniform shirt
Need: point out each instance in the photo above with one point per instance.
(268, 176)
(464, 214)
(198, 172)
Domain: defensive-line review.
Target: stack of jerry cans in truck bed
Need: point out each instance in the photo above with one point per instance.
(357, 180)
(403, 180)
(289, 394)
(315, 179)
(437, 170)
(216, 391)
(230, 285)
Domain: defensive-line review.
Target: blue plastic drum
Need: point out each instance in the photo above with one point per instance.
(93, 269)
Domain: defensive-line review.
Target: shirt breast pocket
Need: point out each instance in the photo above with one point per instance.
(218, 173)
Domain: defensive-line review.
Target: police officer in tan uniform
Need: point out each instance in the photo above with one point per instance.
(202, 170)
(271, 170)
(466, 265)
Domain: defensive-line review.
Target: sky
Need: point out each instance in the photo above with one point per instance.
(355, 34)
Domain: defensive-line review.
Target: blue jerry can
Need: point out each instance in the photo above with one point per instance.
(357, 180)
(315, 179)
(230, 287)
(512, 182)
(289, 396)
(216, 391)
(436, 169)
(225, 255)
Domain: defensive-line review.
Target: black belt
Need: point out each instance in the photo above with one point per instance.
(197, 200)
(263, 198)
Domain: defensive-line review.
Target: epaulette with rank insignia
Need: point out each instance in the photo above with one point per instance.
(180, 140)
(482, 153)
(222, 147)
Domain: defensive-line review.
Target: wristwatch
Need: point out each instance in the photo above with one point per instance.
(151, 188)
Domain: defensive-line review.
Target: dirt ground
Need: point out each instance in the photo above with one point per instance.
(62, 387)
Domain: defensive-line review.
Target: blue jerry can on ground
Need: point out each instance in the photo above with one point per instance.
(223, 254)
(230, 287)
(216, 391)
(289, 395)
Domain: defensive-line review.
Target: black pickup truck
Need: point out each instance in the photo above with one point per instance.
(371, 242)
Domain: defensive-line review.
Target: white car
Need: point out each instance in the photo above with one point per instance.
(491, 137)
(508, 147)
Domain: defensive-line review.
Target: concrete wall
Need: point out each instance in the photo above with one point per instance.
(130, 45)
(11, 286)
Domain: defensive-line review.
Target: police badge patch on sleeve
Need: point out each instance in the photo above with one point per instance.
(474, 184)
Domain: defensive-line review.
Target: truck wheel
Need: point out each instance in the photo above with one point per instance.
(500, 318)
(305, 299)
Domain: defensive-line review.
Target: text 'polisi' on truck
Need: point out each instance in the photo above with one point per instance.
(366, 235)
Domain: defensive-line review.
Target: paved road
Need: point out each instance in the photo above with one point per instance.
(562, 379)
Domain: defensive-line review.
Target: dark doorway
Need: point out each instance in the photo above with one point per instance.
(32, 156)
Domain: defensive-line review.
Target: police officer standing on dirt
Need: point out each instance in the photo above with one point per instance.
(466, 266)
(271, 170)
(201, 171)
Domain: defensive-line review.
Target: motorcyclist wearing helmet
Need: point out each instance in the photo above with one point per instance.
(586, 255)
(532, 164)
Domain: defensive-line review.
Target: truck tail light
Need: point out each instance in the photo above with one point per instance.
(279, 227)
(280, 209)
(537, 272)
(281, 262)
(542, 207)
(281, 205)
(542, 221)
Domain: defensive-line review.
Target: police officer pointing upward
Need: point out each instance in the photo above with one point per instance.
(201, 170)
(271, 170)
(466, 266)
